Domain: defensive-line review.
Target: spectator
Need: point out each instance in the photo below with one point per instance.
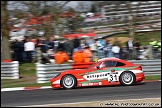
(61, 57)
(56, 43)
(61, 45)
(83, 43)
(29, 47)
(68, 45)
(100, 46)
(129, 45)
(159, 45)
(137, 45)
(90, 41)
(51, 43)
(116, 48)
(42, 44)
(87, 54)
(108, 47)
(143, 53)
(22, 47)
(51, 47)
(18, 50)
(43, 47)
(93, 48)
(78, 56)
(35, 42)
(121, 51)
(76, 43)
(154, 45)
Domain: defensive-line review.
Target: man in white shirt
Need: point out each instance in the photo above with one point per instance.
(29, 47)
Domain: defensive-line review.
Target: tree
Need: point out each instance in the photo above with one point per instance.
(49, 9)
(40, 8)
(5, 52)
(93, 8)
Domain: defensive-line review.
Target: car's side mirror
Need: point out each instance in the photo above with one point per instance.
(97, 67)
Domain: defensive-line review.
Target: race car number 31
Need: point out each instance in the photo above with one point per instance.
(112, 78)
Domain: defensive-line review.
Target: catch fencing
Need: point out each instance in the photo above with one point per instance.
(46, 71)
(10, 70)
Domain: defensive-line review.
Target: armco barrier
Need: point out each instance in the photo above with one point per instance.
(150, 67)
(46, 71)
(10, 70)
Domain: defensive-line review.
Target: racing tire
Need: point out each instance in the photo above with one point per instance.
(127, 78)
(68, 82)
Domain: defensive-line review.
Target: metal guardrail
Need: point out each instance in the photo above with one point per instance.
(46, 71)
(10, 70)
(150, 67)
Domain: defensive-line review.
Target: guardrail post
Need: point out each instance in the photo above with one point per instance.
(10, 70)
(151, 52)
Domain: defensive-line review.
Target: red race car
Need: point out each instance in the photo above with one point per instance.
(106, 71)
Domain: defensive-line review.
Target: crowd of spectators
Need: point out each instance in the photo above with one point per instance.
(25, 50)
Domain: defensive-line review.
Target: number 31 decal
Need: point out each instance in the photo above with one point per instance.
(112, 78)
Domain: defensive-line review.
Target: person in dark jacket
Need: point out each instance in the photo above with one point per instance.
(68, 45)
(137, 45)
(76, 43)
(129, 45)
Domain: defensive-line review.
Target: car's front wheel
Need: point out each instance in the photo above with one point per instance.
(127, 78)
(68, 82)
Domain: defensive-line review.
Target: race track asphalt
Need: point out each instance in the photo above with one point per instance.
(86, 94)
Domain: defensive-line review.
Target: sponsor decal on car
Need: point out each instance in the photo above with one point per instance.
(90, 84)
(100, 75)
(111, 77)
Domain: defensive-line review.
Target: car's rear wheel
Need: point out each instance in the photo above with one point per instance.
(68, 82)
(127, 78)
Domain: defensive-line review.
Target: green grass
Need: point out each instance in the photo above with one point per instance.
(27, 73)
(28, 78)
(155, 77)
(144, 38)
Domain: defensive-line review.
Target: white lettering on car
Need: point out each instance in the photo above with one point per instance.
(111, 76)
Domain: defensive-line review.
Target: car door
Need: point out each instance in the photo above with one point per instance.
(110, 70)
(103, 73)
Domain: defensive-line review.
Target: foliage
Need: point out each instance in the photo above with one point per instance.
(144, 37)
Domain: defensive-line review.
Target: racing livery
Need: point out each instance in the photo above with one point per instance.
(106, 71)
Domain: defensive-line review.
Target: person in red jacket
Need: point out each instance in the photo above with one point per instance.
(87, 54)
(78, 56)
(61, 57)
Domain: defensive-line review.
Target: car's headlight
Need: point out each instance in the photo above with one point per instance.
(56, 75)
